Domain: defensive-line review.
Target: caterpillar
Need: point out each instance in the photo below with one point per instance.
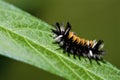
(77, 46)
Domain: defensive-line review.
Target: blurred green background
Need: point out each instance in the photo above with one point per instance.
(91, 19)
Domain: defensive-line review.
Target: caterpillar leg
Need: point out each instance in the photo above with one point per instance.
(90, 60)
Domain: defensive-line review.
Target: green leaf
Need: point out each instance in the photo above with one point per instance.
(27, 39)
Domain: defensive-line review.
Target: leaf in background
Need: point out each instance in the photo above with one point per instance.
(27, 39)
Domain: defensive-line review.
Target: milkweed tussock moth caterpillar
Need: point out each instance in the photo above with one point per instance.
(78, 46)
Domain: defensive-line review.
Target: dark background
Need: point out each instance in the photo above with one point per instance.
(91, 19)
